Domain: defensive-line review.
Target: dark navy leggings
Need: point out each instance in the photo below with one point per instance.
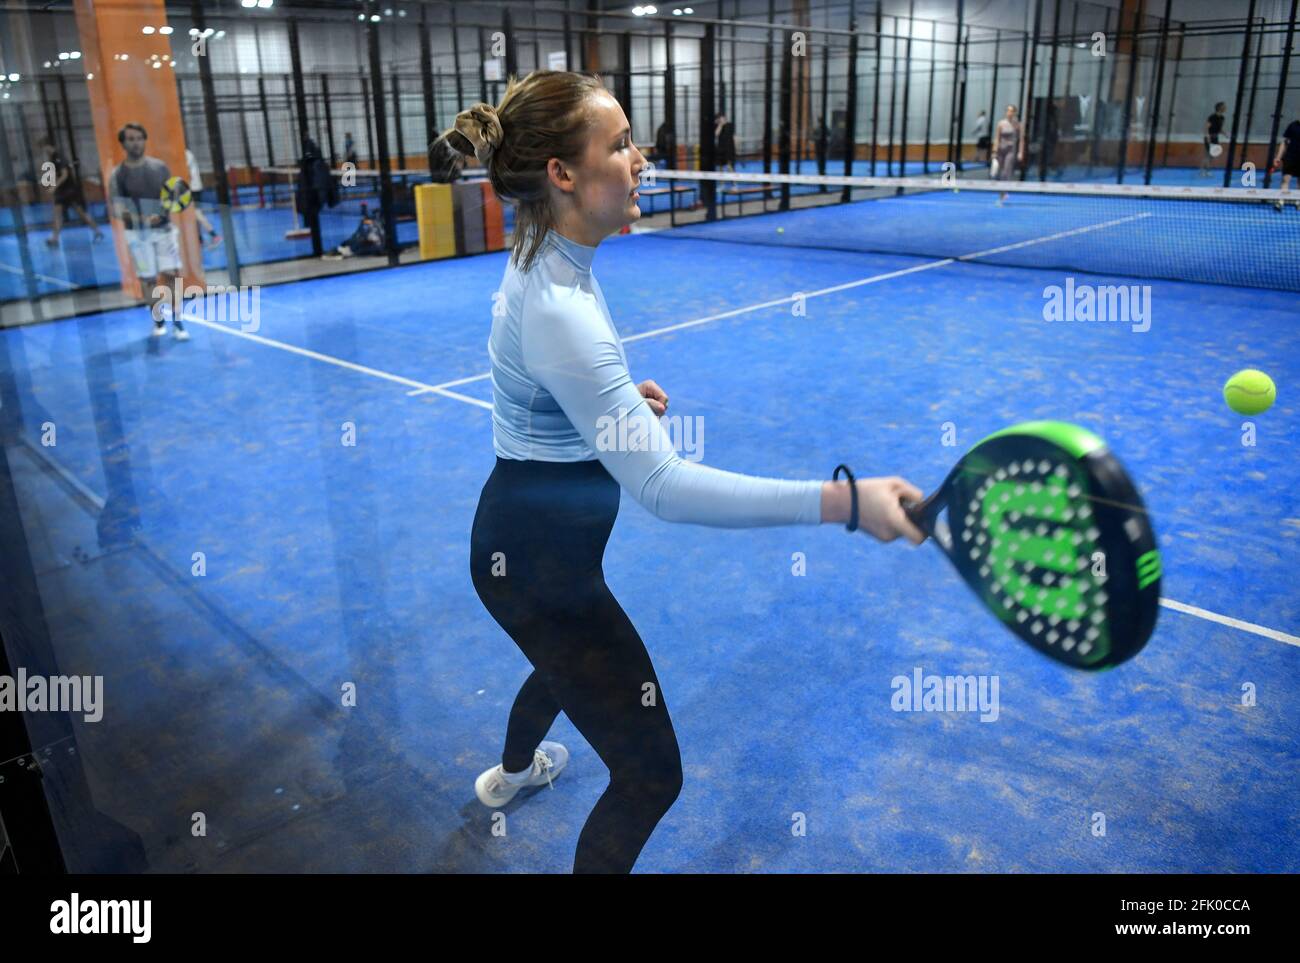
(535, 557)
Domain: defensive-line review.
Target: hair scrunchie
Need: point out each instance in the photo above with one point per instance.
(481, 127)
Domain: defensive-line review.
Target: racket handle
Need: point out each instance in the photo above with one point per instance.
(924, 514)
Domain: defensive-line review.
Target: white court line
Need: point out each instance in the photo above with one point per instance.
(1229, 621)
(942, 262)
(35, 274)
(329, 359)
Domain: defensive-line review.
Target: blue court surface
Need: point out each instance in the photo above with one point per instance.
(326, 565)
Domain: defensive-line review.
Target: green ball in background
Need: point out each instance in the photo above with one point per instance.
(1250, 392)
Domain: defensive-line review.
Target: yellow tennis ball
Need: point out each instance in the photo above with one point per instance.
(1250, 392)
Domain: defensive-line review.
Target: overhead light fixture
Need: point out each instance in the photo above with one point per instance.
(157, 65)
(265, 4)
(75, 55)
(14, 77)
(90, 76)
(165, 31)
(638, 11)
(194, 31)
(220, 34)
(63, 55)
(146, 30)
(677, 12)
(651, 10)
(688, 11)
(248, 3)
(47, 65)
(374, 18)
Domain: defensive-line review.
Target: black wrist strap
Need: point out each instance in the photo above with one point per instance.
(853, 495)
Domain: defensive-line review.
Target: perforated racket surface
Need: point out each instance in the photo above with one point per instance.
(1044, 524)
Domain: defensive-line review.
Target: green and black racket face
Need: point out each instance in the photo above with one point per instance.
(1045, 525)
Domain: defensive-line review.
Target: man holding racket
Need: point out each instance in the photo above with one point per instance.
(1288, 159)
(1213, 130)
(135, 198)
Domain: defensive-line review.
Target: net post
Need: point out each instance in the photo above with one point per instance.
(929, 100)
(907, 85)
(961, 97)
(875, 96)
(1027, 110)
(1153, 124)
(1128, 95)
(217, 150)
(956, 104)
(708, 158)
(1241, 91)
(1281, 94)
(381, 129)
(767, 93)
(1048, 140)
(787, 70)
(851, 114)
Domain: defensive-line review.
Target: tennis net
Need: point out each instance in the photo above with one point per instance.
(1233, 236)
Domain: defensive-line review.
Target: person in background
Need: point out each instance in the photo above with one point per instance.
(196, 192)
(822, 143)
(66, 193)
(135, 192)
(724, 133)
(1010, 150)
(983, 143)
(1288, 159)
(316, 188)
(1213, 129)
(663, 146)
(349, 149)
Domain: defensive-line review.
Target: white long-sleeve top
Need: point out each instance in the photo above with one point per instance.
(560, 386)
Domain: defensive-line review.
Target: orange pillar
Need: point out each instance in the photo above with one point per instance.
(125, 87)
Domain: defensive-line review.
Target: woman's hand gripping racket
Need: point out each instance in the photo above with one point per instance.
(1045, 526)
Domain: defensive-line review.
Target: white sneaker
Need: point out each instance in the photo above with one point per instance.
(160, 329)
(494, 790)
(180, 333)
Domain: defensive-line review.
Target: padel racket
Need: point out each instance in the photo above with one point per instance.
(1045, 526)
